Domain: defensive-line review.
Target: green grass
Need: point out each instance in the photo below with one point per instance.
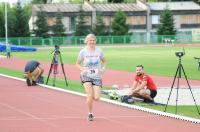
(189, 111)
(156, 60)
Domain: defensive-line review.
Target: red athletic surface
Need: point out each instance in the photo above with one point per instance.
(110, 77)
(37, 109)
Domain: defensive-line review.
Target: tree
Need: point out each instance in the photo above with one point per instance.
(39, 1)
(100, 28)
(166, 26)
(17, 20)
(75, 1)
(21, 26)
(119, 26)
(41, 24)
(197, 1)
(2, 22)
(58, 29)
(115, 1)
(81, 28)
(10, 20)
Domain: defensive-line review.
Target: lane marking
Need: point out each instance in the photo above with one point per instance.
(55, 117)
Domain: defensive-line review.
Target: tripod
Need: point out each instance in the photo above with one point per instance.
(178, 74)
(54, 64)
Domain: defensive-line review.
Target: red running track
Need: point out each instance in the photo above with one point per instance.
(38, 109)
(109, 78)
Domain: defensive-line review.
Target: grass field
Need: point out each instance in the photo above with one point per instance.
(157, 61)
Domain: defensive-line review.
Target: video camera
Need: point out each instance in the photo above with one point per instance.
(179, 54)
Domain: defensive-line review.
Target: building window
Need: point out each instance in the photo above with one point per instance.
(107, 20)
(72, 23)
(137, 20)
(190, 19)
(155, 19)
(50, 21)
(198, 18)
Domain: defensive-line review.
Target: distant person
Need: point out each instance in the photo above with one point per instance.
(33, 73)
(91, 62)
(8, 51)
(55, 60)
(143, 86)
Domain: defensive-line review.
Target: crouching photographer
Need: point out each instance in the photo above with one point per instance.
(33, 73)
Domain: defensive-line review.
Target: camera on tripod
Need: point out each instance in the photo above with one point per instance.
(179, 54)
(54, 64)
(178, 76)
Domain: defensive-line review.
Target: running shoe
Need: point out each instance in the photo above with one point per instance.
(34, 83)
(40, 80)
(148, 101)
(90, 117)
(28, 82)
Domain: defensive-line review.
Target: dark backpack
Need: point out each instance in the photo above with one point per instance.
(127, 99)
(40, 80)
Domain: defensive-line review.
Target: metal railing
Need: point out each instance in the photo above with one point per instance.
(78, 40)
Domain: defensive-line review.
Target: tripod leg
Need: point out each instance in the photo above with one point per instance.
(64, 74)
(54, 79)
(171, 88)
(49, 73)
(63, 70)
(179, 76)
(190, 90)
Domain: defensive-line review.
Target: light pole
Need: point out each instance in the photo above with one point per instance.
(6, 23)
(8, 50)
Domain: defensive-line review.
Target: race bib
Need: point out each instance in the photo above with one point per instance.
(93, 71)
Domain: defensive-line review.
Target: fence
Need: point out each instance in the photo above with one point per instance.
(78, 40)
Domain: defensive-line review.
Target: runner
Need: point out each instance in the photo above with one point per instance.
(91, 62)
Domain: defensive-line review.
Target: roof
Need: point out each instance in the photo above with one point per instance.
(61, 7)
(115, 7)
(87, 7)
(174, 5)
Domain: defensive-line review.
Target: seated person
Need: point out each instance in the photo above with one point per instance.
(32, 72)
(55, 60)
(143, 86)
(8, 51)
(198, 61)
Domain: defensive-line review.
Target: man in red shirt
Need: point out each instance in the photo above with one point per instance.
(143, 86)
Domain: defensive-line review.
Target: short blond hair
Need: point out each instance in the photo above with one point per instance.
(89, 36)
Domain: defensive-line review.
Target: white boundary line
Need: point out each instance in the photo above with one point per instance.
(156, 112)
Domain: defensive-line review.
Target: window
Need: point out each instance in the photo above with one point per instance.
(189, 19)
(51, 21)
(72, 23)
(155, 19)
